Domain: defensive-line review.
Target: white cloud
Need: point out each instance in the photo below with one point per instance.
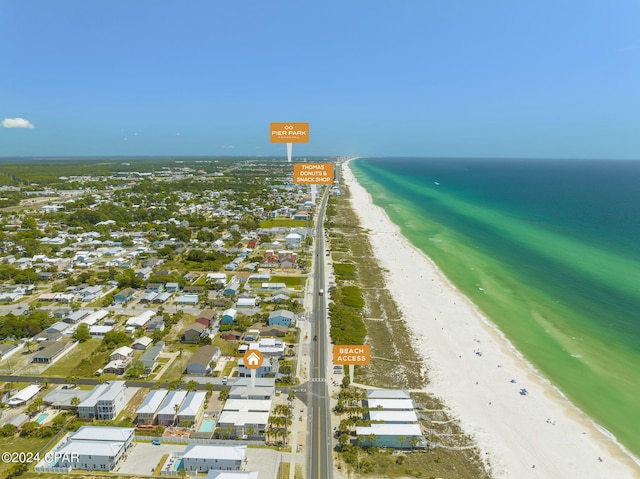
(16, 123)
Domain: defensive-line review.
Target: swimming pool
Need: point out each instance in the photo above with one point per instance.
(40, 419)
(207, 425)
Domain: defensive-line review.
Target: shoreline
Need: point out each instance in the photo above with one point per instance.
(472, 364)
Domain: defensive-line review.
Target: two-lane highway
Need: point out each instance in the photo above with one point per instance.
(320, 459)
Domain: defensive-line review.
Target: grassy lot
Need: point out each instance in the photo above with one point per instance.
(19, 444)
(134, 404)
(374, 462)
(295, 282)
(227, 348)
(175, 371)
(82, 361)
(283, 222)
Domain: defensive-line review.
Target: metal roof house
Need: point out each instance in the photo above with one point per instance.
(92, 448)
(202, 458)
(149, 407)
(105, 401)
(192, 407)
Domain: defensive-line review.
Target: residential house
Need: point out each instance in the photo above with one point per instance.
(232, 288)
(150, 357)
(194, 333)
(200, 363)
(287, 259)
(207, 317)
(48, 351)
(125, 295)
(123, 353)
(249, 392)
(281, 317)
(268, 368)
(91, 448)
(192, 408)
(293, 240)
(169, 408)
(148, 409)
(105, 401)
(142, 343)
(204, 457)
(390, 435)
(155, 324)
(141, 320)
(188, 299)
(229, 316)
(239, 417)
(269, 347)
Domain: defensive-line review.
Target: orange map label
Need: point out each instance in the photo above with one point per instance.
(292, 132)
(359, 354)
(313, 173)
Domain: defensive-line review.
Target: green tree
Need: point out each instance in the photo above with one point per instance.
(82, 333)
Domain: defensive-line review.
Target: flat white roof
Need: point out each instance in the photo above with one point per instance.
(99, 433)
(207, 451)
(393, 416)
(388, 394)
(392, 404)
(407, 430)
(91, 448)
(213, 474)
(247, 405)
(240, 418)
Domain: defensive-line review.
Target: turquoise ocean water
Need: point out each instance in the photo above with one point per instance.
(549, 250)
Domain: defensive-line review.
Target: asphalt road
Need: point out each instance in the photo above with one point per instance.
(320, 460)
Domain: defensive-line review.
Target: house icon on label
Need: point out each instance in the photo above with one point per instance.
(253, 359)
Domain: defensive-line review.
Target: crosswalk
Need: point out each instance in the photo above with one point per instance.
(318, 380)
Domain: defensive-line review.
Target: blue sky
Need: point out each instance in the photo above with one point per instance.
(527, 78)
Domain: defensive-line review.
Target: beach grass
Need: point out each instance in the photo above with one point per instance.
(386, 330)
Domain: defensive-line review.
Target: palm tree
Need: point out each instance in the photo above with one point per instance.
(414, 441)
(402, 439)
(250, 432)
(75, 401)
(176, 408)
(372, 439)
(191, 386)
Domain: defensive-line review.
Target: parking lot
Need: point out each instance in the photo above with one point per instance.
(144, 457)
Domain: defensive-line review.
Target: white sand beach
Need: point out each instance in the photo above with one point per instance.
(471, 367)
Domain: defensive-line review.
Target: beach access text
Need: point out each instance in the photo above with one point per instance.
(358, 354)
